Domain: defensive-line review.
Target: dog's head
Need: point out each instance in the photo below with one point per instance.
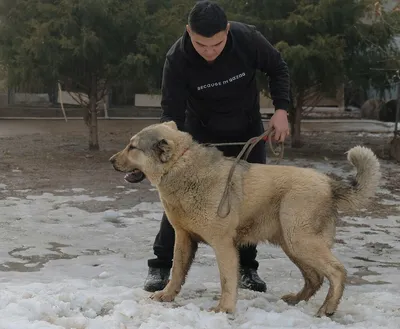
(151, 152)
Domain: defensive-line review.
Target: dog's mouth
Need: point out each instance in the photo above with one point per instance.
(135, 176)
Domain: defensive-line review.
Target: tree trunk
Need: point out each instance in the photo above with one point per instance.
(395, 148)
(92, 119)
(296, 123)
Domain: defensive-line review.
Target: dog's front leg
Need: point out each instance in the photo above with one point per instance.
(228, 263)
(184, 251)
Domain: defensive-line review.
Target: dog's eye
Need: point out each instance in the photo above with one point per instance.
(131, 147)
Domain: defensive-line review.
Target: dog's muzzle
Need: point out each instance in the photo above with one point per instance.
(135, 176)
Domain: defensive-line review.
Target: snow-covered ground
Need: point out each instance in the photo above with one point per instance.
(64, 267)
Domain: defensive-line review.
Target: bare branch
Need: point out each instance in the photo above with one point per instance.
(63, 81)
(82, 101)
(103, 93)
(103, 89)
(79, 100)
(311, 95)
(74, 98)
(311, 107)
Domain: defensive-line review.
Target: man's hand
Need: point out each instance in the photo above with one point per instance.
(281, 124)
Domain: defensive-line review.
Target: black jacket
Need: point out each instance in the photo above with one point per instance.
(223, 96)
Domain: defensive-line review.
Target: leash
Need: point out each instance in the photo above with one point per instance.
(247, 148)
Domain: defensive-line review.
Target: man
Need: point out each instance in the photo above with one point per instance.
(209, 89)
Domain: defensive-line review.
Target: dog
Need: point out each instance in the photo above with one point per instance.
(291, 207)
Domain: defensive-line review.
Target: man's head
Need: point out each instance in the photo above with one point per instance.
(208, 29)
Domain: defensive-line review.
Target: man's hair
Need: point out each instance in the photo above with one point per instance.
(207, 19)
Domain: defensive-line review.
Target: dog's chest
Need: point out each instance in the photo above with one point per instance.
(175, 213)
(188, 221)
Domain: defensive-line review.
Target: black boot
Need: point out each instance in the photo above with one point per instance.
(249, 279)
(157, 279)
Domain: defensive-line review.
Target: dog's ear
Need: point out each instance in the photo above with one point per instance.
(171, 124)
(164, 150)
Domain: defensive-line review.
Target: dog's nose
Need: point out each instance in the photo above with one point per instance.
(112, 159)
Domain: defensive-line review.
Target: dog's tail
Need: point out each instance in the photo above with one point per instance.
(356, 195)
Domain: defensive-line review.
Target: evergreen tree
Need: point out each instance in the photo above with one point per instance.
(326, 43)
(86, 44)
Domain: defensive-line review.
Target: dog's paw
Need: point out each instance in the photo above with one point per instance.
(325, 311)
(291, 299)
(222, 309)
(163, 296)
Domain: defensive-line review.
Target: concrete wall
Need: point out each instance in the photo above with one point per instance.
(30, 99)
(73, 98)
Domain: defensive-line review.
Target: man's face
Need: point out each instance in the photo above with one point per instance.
(209, 48)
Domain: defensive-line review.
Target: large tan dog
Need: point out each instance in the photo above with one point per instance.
(295, 208)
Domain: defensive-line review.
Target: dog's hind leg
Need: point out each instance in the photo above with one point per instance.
(228, 264)
(313, 251)
(336, 274)
(184, 252)
(312, 281)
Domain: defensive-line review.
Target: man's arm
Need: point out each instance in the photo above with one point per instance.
(270, 61)
(174, 94)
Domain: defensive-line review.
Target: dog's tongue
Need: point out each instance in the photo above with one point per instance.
(135, 176)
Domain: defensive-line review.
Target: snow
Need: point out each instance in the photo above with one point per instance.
(64, 267)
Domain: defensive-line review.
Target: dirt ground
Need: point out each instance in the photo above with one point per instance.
(43, 155)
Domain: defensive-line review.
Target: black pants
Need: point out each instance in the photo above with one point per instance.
(164, 242)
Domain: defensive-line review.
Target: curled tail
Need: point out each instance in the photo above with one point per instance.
(357, 195)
